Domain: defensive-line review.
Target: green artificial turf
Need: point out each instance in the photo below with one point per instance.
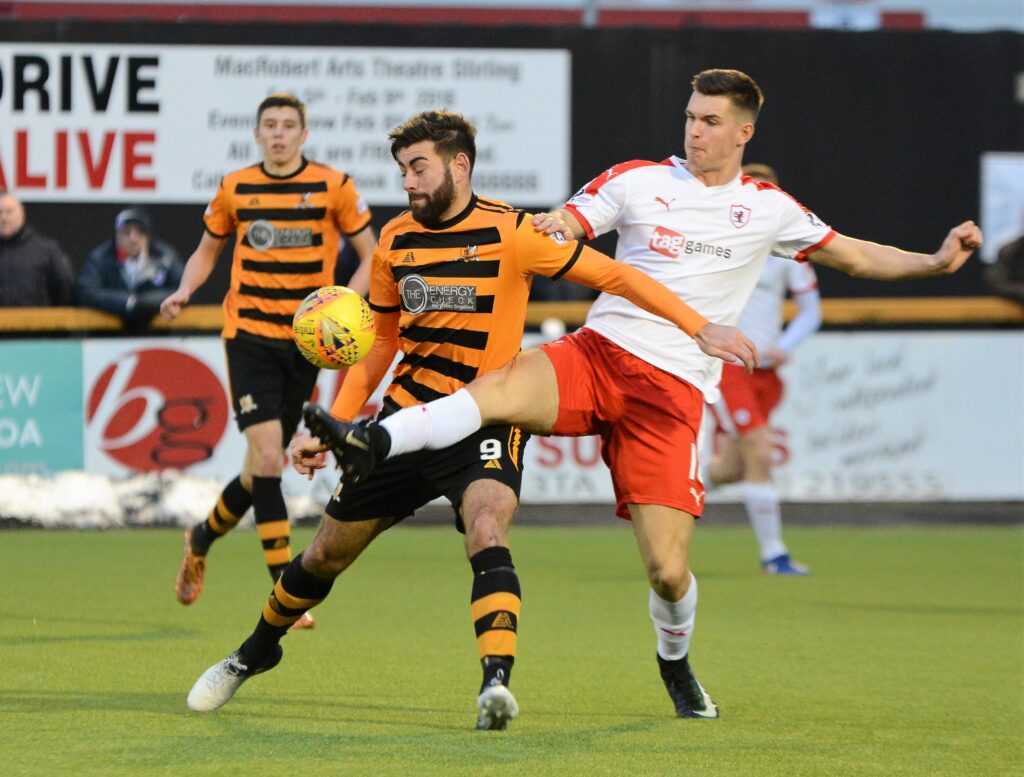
(902, 655)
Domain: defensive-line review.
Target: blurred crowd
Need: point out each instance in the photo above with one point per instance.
(129, 274)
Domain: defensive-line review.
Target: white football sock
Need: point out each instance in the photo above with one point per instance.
(435, 425)
(766, 517)
(673, 622)
(409, 429)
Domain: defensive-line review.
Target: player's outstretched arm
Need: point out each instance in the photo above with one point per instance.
(864, 259)
(197, 270)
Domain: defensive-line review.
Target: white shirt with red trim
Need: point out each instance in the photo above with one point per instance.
(761, 319)
(708, 244)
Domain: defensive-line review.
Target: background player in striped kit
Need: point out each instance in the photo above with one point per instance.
(287, 214)
(743, 413)
(450, 283)
(705, 231)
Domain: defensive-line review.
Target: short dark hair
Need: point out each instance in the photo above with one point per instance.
(282, 100)
(740, 88)
(451, 132)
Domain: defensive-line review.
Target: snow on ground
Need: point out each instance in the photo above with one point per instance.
(86, 501)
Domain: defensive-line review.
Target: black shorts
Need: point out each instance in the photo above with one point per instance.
(269, 380)
(398, 487)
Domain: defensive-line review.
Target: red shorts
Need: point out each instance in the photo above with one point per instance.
(747, 400)
(648, 420)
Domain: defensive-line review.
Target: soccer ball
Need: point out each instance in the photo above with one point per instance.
(333, 327)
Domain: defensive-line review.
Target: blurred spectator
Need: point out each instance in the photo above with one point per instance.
(34, 271)
(1005, 277)
(130, 274)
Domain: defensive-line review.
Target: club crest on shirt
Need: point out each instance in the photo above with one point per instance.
(739, 216)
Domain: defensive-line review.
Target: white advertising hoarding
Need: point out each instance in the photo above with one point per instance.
(902, 416)
(164, 123)
(866, 417)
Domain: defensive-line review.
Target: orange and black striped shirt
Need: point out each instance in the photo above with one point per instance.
(462, 291)
(287, 230)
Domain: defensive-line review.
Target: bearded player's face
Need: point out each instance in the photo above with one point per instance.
(428, 182)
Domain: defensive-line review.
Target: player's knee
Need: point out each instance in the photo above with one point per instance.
(326, 561)
(485, 529)
(670, 580)
(761, 461)
(267, 461)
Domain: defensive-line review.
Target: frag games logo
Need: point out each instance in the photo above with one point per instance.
(667, 242)
(674, 244)
(156, 409)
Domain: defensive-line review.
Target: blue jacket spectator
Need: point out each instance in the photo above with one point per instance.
(130, 274)
(34, 271)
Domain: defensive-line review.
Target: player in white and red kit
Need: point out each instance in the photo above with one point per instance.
(703, 230)
(743, 412)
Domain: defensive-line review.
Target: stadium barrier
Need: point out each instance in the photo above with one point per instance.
(868, 416)
(881, 311)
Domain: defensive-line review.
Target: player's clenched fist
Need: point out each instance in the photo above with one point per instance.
(962, 241)
(171, 307)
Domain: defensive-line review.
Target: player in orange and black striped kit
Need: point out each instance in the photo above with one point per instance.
(449, 287)
(287, 215)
